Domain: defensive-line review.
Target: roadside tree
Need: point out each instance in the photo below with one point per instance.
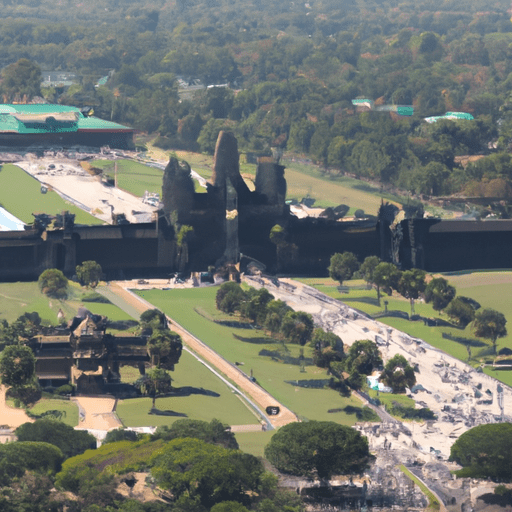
(89, 273)
(152, 320)
(297, 327)
(363, 357)
(318, 448)
(460, 311)
(411, 284)
(386, 277)
(276, 310)
(367, 269)
(53, 283)
(328, 348)
(490, 324)
(440, 293)
(229, 297)
(343, 266)
(398, 374)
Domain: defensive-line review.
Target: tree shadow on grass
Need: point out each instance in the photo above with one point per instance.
(279, 357)
(190, 390)
(367, 300)
(472, 342)
(122, 325)
(257, 341)
(158, 412)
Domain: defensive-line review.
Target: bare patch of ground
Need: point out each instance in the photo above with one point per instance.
(97, 413)
(9, 416)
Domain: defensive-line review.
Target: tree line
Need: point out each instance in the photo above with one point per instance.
(413, 284)
(292, 72)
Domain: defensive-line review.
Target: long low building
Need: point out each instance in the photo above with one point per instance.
(46, 124)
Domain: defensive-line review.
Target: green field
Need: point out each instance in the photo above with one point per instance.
(70, 410)
(18, 298)
(192, 308)
(21, 195)
(209, 399)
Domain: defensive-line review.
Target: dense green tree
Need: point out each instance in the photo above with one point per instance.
(212, 474)
(165, 348)
(439, 292)
(398, 374)
(121, 434)
(297, 327)
(328, 347)
(363, 357)
(154, 383)
(386, 277)
(485, 451)
(460, 311)
(367, 268)
(343, 266)
(16, 458)
(276, 311)
(17, 365)
(89, 273)
(54, 283)
(229, 297)
(214, 432)
(255, 306)
(70, 441)
(411, 284)
(152, 320)
(23, 78)
(318, 448)
(490, 324)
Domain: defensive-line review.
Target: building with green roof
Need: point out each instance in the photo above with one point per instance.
(45, 125)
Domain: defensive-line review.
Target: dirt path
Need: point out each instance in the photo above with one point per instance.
(97, 413)
(255, 392)
(9, 416)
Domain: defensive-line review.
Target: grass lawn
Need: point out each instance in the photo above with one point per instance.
(254, 442)
(70, 410)
(192, 308)
(133, 177)
(210, 398)
(18, 298)
(21, 196)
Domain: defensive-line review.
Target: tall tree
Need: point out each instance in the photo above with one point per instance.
(363, 357)
(343, 266)
(490, 324)
(54, 283)
(386, 277)
(411, 284)
(89, 273)
(440, 293)
(398, 374)
(17, 365)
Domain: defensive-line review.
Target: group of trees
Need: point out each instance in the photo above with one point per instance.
(413, 284)
(292, 73)
(260, 307)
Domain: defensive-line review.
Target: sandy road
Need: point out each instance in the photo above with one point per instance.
(255, 392)
(9, 416)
